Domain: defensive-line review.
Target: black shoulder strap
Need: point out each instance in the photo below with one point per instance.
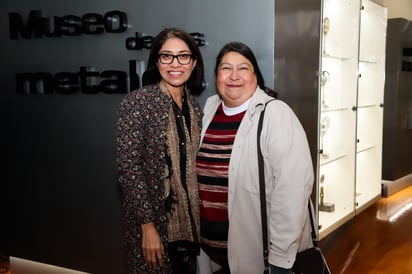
(263, 193)
(312, 224)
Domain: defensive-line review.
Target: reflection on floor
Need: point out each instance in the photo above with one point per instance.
(378, 240)
(4, 266)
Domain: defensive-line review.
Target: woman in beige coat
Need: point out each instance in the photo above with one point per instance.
(227, 170)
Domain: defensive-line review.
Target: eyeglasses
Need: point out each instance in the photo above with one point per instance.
(167, 59)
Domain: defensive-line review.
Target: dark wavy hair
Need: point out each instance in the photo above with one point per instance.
(152, 74)
(244, 50)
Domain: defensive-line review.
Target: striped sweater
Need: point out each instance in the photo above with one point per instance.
(212, 165)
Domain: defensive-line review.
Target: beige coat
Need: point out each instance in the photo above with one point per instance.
(289, 179)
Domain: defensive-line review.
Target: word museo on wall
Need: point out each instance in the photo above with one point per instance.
(87, 80)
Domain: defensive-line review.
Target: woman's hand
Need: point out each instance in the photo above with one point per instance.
(152, 246)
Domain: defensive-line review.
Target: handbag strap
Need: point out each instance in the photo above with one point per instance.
(312, 224)
(262, 191)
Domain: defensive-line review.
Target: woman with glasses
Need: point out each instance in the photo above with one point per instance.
(158, 134)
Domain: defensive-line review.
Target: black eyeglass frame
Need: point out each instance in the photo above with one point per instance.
(177, 56)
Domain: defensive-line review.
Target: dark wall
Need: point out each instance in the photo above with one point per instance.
(297, 43)
(397, 131)
(60, 198)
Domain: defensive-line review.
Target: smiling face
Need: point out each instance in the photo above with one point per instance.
(235, 79)
(175, 75)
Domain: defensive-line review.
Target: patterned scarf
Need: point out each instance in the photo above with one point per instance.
(179, 221)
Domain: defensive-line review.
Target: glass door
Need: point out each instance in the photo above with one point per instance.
(370, 103)
(337, 119)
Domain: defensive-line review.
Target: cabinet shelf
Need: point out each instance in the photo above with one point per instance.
(339, 58)
(367, 106)
(368, 61)
(363, 149)
(333, 109)
(331, 158)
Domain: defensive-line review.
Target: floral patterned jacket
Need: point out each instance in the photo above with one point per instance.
(141, 154)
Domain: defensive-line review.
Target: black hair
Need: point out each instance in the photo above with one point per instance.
(244, 50)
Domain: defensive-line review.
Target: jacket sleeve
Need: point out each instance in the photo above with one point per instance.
(130, 155)
(291, 177)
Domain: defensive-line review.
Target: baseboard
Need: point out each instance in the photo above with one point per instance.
(391, 187)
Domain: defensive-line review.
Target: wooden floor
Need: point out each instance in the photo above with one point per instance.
(378, 240)
(4, 266)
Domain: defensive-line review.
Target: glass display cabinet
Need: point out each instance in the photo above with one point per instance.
(351, 88)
